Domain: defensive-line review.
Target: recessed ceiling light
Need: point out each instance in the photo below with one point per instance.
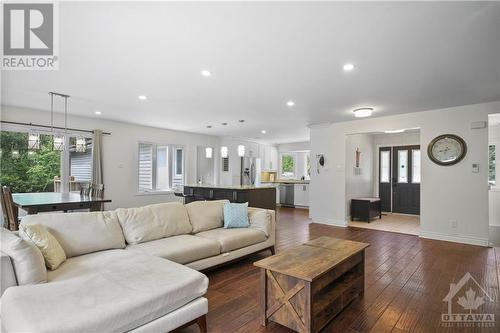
(205, 73)
(97, 112)
(241, 120)
(290, 103)
(142, 97)
(263, 131)
(394, 131)
(209, 126)
(363, 112)
(348, 67)
(223, 124)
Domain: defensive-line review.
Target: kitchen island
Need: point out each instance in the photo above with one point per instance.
(260, 196)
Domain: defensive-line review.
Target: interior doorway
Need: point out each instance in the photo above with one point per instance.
(386, 167)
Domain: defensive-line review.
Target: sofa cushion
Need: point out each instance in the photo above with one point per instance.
(109, 291)
(232, 239)
(28, 262)
(82, 233)
(235, 215)
(206, 215)
(152, 222)
(259, 219)
(39, 236)
(182, 249)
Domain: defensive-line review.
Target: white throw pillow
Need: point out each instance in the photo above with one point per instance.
(258, 219)
(52, 251)
(206, 215)
(152, 222)
(26, 258)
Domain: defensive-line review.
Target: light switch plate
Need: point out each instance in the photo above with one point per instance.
(475, 167)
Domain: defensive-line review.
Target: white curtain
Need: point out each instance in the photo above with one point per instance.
(96, 157)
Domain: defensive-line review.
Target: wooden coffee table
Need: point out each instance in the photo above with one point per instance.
(305, 287)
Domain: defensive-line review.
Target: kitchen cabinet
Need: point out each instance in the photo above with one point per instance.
(301, 195)
(269, 157)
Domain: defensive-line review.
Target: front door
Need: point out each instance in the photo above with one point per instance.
(406, 180)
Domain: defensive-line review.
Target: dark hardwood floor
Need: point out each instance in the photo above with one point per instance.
(406, 280)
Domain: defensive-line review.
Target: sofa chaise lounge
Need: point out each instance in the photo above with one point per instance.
(134, 269)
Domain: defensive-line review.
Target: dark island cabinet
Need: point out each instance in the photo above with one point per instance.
(260, 197)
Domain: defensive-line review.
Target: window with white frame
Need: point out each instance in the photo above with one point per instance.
(287, 165)
(160, 167)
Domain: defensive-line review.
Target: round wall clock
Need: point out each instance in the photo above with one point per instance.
(447, 149)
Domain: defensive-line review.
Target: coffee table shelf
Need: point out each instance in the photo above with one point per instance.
(307, 286)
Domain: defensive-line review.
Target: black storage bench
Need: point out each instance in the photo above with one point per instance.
(366, 209)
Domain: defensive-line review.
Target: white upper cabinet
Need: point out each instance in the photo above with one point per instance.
(269, 157)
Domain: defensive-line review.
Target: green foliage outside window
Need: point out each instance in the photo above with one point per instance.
(29, 171)
(287, 165)
(491, 164)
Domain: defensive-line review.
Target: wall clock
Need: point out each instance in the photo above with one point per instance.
(447, 149)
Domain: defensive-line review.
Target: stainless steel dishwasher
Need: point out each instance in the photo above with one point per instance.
(286, 195)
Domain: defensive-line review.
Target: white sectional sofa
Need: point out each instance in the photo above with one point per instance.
(133, 269)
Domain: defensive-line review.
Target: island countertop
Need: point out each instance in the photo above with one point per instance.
(233, 187)
(260, 196)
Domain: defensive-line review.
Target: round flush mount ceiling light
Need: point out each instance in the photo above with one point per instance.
(205, 73)
(223, 124)
(263, 131)
(209, 126)
(290, 103)
(241, 120)
(142, 97)
(363, 112)
(394, 131)
(97, 112)
(348, 67)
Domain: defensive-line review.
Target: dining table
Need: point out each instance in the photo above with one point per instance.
(39, 202)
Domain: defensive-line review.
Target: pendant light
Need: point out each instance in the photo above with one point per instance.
(223, 152)
(81, 144)
(241, 150)
(59, 139)
(33, 140)
(208, 152)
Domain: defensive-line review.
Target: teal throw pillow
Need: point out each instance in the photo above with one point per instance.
(236, 215)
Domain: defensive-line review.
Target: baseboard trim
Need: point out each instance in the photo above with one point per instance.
(454, 238)
(329, 221)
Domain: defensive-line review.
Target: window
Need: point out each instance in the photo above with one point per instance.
(402, 166)
(491, 164)
(385, 166)
(225, 164)
(25, 170)
(287, 165)
(154, 171)
(415, 166)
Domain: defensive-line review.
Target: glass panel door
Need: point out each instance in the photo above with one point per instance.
(402, 166)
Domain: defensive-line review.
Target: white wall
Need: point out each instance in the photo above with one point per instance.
(120, 152)
(205, 167)
(358, 186)
(294, 146)
(448, 194)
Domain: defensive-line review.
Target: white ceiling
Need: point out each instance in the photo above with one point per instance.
(408, 56)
